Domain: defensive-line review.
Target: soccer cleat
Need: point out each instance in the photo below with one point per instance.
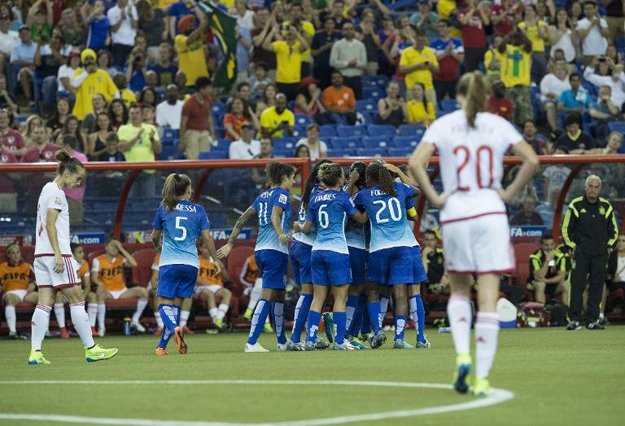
(13, 335)
(36, 358)
(179, 339)
(358, 344)
(321, 345)
(160, 352)
(595, 326)
(219, 324)
(401, 344)
(94, 332)
(101, 331)
(282, 347)
(98, 353)
(329, 323)
(63, 333)
(311, 346)
(136, 326)
(267, 328)
(463, 368)
(424, 345)
(574, 325)
(377, 340)
(345, 346)
(248, 314)
(481, 387)
(158, 331)
(295, 347)
(256, 347)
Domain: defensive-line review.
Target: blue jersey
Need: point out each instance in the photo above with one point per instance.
(309, 238)
(181, 227)
(267, 238)
(410, 203)
(328, 211)
(355, 233)
(387, 216)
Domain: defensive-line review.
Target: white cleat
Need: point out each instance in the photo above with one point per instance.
(256, 347)
(101, 332)
(138, 327)
(282, 347)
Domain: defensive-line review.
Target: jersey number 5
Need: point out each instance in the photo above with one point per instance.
(482, 152)
(182, 229)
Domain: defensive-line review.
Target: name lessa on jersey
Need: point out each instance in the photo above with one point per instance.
(186, 208)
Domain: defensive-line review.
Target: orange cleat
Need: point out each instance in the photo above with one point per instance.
(161, 352)
(179, 339)
(158, 331)
(94, 332)
(186, 330)
(63, 333)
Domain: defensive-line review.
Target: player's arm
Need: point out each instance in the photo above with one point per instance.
(402, 176)
(51, 217)
(525, 174)
(86, 282)
(132, 262)
(612, 230)
(303, 228)
(156, 238)
(241, 221)
(243, 274)
(207, 239)
(360, 217)
(418, 166)
(32, 286)
(276, 221)
(95, 274)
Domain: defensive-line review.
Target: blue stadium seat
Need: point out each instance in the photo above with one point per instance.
(371, 152)
(346, 152)
(302, 120)
(222, 145)
(327, 131)
(218, 108)
(283, 152)
(351, 142)
(367, 105)
(380, 81)
(169, 135)
(408, 129)
(284, 144)
(619, 42)
(170, 152)
(374, 142)
(351, 131)
(381, 130)
(406, 141)
(449, 105)
(617, 126)
(374, 93)
(365, 118)
(220, 132)
(214, 155)
(299, 132)
(400, 152)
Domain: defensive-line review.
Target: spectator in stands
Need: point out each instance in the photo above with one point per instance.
(502, 16)
(387, 37)
(71, 31)
(259, 175)
(289, 54)
(604, 72)
(536, 31)
(276, 120)
(49, 56)
(189, 45)
(392, 109)
(136, 69)
(527, 215)
(123, 20)
(153, 24)
(548, 268)
(235, 119)
(210, 285)
(164, 65)
(450, 55)
(532, 137)
(306, 29)
(23, 64)
(259, 81)
(309, 102)
(316, 148)
(98, 23)
(349, 57)
(367, 34)
(574, 140)
(268, 99)
(301, 151)
(562, 35)
(433, 258)
(89, 81)
(245, 16)
(118, 113)
(426, 20)
(17, 280)
(474, 19)
(8, 40)
(98, 103)
(12, 140)
(6, 101)
(61, 113)
(39, 19)
(112, 152)
(107, 272)
(551, 88)
(148, 96)
(246, 147)
(42, 150)
(140, 142)
(603, 111)
(492, 59)
(498, 103)
(66, 70)
(516, 50)
(30, 124)
(339, 101)
(615, 17)
(264, 23)
(169, 112)
(72, 127)
(96, 142)
(125, 94)
(576, 99)
(420, 110)
(592, 30)
(196, 124)
(76, 194)
(321, 46)
(615, 278)
(419, 64)
(613, 146)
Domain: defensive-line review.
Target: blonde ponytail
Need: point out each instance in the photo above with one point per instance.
(176, 185)
(475, 88)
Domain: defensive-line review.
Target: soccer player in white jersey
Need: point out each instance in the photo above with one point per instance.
(471, 144)
(55, 267)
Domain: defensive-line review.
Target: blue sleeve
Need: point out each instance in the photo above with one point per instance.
(255, 204)
(281, 199)
(358, 199)
(309, 213)
(157, 223)
(204, 222)
(349, 206)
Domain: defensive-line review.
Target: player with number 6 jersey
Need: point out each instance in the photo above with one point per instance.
(471, 144)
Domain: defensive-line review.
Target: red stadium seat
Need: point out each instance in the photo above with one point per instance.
(143, 272)
(522, 253)
(236, 259)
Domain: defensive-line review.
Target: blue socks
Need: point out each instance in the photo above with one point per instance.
(350, 311)
(277, 308)
(340, 319)
(417, 310)
(313, 325)
(400, 327)
(301, 315)
(169, 315)
(374, 315)
(258, 320)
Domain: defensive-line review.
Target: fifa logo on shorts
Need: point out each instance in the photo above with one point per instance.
(313, 330)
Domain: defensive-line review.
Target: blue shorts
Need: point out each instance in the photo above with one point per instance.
(176, 281)
(300, 261)
(358, 261)
(418, 271)
(391, 266)
(330, 268)
(272, 266)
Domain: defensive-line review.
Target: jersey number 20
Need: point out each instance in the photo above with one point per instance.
(393, 207)
(482, 151)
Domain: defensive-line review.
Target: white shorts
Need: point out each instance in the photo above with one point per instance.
(214, 288)
(480, 245)
(116, 294)
(47, 278)
(19, 293)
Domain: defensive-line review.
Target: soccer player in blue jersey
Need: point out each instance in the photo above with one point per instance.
(390, 250)
(180, 223)
(300, 253)
(328, 210)
(273, 211)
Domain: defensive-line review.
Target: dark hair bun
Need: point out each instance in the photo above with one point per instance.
(62, 156)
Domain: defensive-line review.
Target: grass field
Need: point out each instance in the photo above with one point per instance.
(557, 377)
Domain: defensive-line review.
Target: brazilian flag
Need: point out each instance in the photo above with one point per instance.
(223, 27)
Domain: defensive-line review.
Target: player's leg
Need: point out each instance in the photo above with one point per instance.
(486, 330)
(358, 263)
(400, 300)
(376, 274)
(340, 293)
(254, 298)
(39, 322)
(10, 302)
(539, 291)
(385, 297)
(301, 312)
(59, 313)
(182, 279)
(224, 305)
(185, 313)
(300, 262)
(168, 305)
(277, 311)
(320, 292)
(92, 309)
(415, 302)
(460, 318)
(142, 294)
(101, 296)
(261, 310)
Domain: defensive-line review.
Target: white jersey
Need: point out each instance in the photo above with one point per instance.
(52, 197)
(471, 162)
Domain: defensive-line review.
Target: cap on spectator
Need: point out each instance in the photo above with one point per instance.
(248, 126)
(307, 81)
(24, 27)
(184, 23)
(74, 52)
(424, 2)
(87, 53)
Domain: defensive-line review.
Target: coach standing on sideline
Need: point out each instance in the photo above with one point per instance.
(590, 230)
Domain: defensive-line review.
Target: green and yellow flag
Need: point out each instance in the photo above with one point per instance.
(223, 27)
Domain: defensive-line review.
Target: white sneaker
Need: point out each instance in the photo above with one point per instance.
(256, 347)
(282, 347)
(101, 331)
(138, 327)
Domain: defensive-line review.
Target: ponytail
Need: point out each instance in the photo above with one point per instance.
(361, 168)
(379, 175)
(329, 174)
(311, 181)
(475, 89)
(176, 185)
(67, 162)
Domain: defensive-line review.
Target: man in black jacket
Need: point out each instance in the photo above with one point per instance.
(589, 229)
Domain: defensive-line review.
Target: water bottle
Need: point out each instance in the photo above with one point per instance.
(443, 330)
(127, 330)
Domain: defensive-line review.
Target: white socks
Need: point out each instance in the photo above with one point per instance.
(39, 326)
(383, 309)
(92, 311)
(80, 319)
(159, 320)
(222, 310)
(459, 314)
(256, 293)
(101, 315)
(213, 312)
(486, 331)
(9, 313)
(59, 312)
(184, 318)
(141, 304)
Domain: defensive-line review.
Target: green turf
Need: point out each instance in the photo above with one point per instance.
(557, 377)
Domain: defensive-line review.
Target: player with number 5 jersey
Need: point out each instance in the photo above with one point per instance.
(471, 145)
